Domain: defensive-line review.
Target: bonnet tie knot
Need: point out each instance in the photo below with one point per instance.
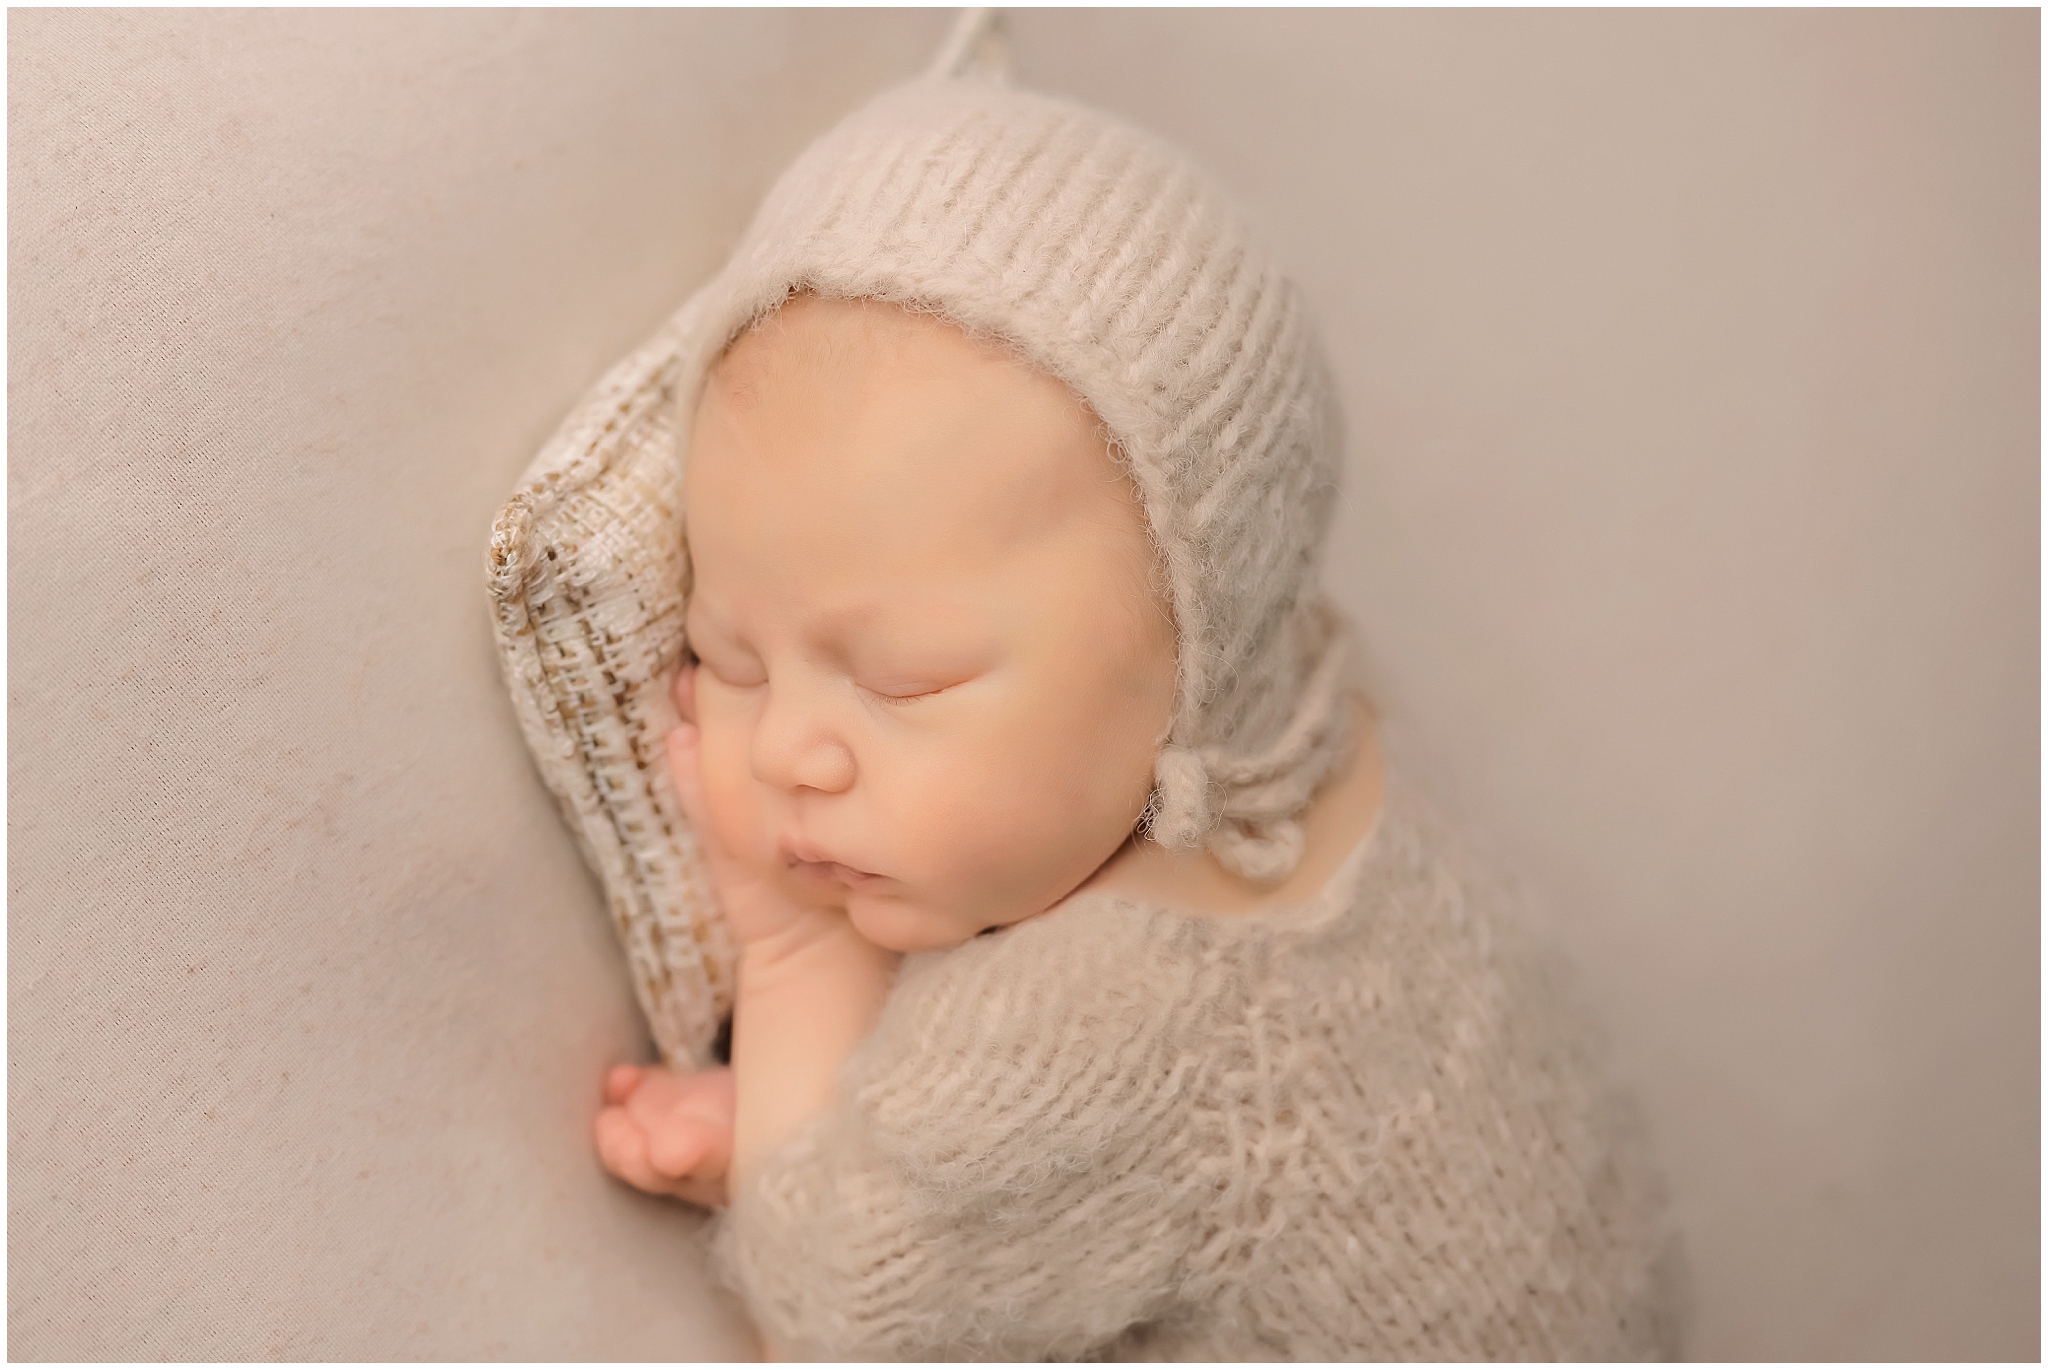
(1244, 808)
(1181, 816)
(1266, 852)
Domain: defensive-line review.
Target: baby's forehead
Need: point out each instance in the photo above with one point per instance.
(844, 398)
(809, 334)
(866, 441)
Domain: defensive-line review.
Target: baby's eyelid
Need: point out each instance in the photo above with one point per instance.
(899, 696)
(736, 680)
(728, 663)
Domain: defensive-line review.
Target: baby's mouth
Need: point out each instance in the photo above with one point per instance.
(828, 872)
(833, 871)
(822, 871)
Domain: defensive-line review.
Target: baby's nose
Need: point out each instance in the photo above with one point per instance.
(794, 750)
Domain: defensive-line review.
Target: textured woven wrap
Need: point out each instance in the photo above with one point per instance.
(588, 577)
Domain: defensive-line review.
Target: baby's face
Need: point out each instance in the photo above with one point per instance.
(934, 668)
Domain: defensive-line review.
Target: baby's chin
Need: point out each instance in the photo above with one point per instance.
(906, 926)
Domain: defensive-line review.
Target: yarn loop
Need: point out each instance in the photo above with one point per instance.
(1264, 852)
(1180, 816)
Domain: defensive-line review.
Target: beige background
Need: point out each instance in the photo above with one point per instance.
(1692, 365)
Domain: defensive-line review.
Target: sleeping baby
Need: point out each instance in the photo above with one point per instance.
(1103, 993)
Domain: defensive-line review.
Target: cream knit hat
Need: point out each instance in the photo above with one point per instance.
(1106, 259)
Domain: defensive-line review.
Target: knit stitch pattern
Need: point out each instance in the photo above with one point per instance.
(1100, 255)
(1364, 1128)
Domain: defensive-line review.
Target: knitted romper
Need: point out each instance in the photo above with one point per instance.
(1364, 1128)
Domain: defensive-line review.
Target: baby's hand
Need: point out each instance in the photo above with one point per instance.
(757, 913)
(668, 1134)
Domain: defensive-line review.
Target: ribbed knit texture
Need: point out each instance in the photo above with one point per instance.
(1101, 256)
(1365, 1128)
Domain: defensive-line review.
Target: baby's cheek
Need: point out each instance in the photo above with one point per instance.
(993, 837)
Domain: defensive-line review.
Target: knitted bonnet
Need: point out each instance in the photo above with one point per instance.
(1104, 258)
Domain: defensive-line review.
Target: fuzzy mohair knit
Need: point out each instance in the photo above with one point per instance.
(1100, 255)
(1363, 1128)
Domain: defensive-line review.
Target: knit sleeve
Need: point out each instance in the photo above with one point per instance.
(1006, 1173)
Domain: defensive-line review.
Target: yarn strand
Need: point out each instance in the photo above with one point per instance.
(974, 44)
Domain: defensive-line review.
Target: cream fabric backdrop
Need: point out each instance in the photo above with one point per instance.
(1692, 364)
(1692, 369)
(309, 992)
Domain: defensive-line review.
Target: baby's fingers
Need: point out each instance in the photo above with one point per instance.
(684, 691)
(690, 1146)
(620, 1082)
(682, 767)
(623, 1148)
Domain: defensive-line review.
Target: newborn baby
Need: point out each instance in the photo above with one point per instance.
(1101, 992)
(933, 624)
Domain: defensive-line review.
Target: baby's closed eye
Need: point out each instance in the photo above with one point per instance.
(740, 670)
(721, 653)
(899, 690)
